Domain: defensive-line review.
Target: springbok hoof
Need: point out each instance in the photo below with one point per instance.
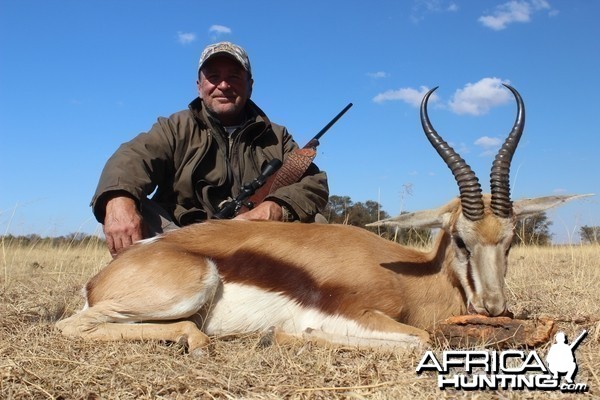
(267, 339)
(199, 353)
(183, 341)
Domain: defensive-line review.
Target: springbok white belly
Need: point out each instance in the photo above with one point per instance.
(241, 308)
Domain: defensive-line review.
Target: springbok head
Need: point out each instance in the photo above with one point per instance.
(482, 230)
(480, 226)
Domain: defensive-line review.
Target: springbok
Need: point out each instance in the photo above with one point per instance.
(333, 284)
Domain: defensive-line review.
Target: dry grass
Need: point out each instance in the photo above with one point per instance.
(40, 284)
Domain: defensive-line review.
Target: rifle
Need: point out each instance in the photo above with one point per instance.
(296, 164)
(578, 340)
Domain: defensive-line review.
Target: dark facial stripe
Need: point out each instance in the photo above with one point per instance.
(470, 279)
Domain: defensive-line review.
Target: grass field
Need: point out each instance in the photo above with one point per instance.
(40, 284)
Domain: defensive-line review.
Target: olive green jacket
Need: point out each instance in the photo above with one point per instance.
(191, 165)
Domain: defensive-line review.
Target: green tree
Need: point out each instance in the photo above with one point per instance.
(590, 234)
(533, 231)
(361, 214)
(337, 209)
(342, 210)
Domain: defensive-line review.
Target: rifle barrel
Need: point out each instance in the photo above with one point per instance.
(333, 121)
(578, 340)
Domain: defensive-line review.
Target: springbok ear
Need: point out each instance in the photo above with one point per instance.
(527, 207)
(434, 218)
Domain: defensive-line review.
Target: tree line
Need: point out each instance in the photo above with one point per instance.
(533, 231)
(71, 239)
(590, 234)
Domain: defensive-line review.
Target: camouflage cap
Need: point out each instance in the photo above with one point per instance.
(228, 49)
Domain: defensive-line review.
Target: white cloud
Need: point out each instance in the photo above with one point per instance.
(487, 142)
(513, 11)
(489, 145)
(478, 98)
(436, 5)
(186, 37)
(219, 29)
(461, 148)
(407, 95)
(474, 99)
(421, 8)
(378, 75)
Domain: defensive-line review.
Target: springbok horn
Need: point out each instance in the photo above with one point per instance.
(501, 204)
(468, 184)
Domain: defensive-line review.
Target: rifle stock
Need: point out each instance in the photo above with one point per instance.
(294, 167)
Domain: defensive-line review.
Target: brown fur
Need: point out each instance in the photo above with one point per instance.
(334, 268)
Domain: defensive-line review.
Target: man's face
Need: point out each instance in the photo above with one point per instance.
(224, 86)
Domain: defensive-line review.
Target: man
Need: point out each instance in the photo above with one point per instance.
(198, 158)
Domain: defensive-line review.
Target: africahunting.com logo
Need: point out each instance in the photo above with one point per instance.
(509, 369)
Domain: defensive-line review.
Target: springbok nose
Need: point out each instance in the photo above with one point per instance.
(496, 308)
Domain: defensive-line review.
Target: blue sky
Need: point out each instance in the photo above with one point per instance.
(78, 78)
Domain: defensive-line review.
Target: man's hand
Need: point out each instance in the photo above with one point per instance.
(265, 210)
(122, 224)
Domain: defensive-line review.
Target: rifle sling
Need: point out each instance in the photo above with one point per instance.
(293, 168)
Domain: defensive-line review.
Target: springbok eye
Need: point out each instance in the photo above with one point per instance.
(461, 245)
(459, 242)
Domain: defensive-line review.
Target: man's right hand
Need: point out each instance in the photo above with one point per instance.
(122, 224)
